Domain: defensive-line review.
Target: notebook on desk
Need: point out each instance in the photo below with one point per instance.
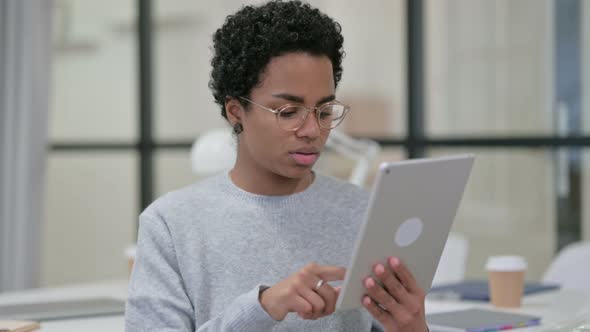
(479, 320)
(477, 290)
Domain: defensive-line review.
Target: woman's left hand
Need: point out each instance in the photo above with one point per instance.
(399, 304)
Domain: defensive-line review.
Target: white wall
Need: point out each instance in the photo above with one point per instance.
(91, 202)
(94, 86)
(489, 67)
(489, 72)
(91, 198)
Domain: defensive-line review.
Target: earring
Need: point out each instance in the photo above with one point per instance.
(238, 129)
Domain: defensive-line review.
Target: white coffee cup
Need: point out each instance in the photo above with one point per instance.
(506, 280)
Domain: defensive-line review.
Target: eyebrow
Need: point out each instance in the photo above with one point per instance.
(297, 99)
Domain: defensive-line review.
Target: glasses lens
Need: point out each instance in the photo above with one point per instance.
(292, 117)
(330, 116)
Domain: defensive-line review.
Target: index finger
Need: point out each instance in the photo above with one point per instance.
(330, 272)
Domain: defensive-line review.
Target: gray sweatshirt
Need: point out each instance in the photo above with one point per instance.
(205, 250)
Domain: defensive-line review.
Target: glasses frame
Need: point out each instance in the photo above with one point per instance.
(277, 111)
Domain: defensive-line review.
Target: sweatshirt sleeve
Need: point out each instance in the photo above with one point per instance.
(157, 298)
(244, 314)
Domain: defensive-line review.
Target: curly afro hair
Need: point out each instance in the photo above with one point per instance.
(250, 38)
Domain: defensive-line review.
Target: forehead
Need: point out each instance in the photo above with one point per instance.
(300, 74)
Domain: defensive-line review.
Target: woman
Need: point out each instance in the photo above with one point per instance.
(240, 251)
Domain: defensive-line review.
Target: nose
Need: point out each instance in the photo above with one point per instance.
(310, 127)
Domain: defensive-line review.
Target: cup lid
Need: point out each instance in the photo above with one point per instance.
(506, 263)
(130, 251)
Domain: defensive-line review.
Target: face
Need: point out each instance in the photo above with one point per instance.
(293, 78)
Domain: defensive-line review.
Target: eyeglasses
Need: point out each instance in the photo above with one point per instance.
(291, 117)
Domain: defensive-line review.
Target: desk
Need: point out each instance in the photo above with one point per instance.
(115, 289)
(554, 306)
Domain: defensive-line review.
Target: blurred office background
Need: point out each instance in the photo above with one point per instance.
(508, 80)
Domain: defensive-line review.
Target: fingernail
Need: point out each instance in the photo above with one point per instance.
(366, 300)
(369, 283)
(393, 261)
(379, 269)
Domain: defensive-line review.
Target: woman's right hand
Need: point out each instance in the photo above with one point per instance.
(298, 293)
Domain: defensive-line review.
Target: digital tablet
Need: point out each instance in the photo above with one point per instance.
(411, 209)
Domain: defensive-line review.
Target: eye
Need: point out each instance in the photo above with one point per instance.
(325, 114)
(288, 114)
(292, 112)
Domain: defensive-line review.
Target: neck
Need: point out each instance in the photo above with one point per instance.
(263, 182)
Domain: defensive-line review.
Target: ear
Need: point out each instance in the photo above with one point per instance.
(234, 110)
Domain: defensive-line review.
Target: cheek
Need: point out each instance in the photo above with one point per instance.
(267, 143)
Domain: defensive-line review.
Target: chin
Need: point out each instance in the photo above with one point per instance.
(297, 172)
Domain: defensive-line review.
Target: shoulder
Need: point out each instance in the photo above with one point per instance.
(187, 200)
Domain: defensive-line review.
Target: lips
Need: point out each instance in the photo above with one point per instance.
(305, 157)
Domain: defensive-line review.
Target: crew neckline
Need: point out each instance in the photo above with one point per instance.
(230, 187)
